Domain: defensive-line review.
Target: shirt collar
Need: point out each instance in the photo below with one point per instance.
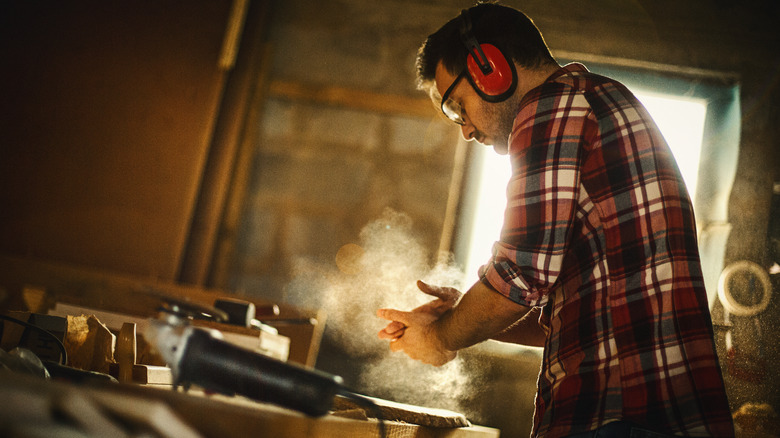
(568, 69)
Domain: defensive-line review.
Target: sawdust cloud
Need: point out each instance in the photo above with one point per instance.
(382, 272)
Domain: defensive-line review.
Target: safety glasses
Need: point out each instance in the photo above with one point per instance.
(449, 107)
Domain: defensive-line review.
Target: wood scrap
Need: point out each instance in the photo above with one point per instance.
(394, 411)
(89, 343)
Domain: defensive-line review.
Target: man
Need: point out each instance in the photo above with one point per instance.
(597, 260)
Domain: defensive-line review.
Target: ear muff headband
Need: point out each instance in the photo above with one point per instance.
(491, 74)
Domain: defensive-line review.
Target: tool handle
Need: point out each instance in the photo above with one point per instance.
(219, 366)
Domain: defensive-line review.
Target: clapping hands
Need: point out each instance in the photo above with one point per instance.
(414, 331)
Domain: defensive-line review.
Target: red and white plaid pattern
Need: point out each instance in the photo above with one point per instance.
(599, 231)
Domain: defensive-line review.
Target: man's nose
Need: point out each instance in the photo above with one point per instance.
(468, 130)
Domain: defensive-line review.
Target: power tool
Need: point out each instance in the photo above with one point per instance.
(200, 356)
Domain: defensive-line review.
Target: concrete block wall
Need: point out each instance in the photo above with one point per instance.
(322, 173)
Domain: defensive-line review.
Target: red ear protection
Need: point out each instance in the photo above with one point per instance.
(499, 79)
(490, 73)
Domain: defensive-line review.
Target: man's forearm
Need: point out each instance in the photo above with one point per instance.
(525, 331)
(481, 314)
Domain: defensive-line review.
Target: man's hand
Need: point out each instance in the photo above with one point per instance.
(418, 337)
(433, 332)
(446, 298)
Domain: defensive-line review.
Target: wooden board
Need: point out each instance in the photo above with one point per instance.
(394, 411)
(109, 110)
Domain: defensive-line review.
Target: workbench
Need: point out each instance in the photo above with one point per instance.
(34, 407)
(38, 407)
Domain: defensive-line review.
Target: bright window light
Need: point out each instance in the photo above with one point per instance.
(681, 120)
(488, 211)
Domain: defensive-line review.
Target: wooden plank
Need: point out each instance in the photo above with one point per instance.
(406, 413)
(108, 110)
(353, 98)
(447, 242)
(224, 243)
(728, 77)
(234, 121)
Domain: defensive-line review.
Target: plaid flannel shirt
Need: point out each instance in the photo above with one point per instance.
(599, 232)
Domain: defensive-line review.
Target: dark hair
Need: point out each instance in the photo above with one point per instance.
(513, 32)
